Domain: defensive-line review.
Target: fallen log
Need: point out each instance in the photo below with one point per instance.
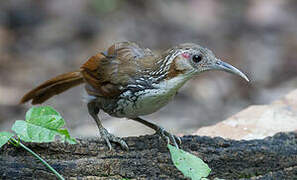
(148, 158)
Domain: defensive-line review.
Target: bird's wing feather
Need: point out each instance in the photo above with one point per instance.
(109, 73)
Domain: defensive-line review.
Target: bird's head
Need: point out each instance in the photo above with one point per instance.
(193, 59)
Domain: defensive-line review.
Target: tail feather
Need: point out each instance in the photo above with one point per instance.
(53, 87)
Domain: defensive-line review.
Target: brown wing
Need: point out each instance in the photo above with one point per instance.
(109, 73)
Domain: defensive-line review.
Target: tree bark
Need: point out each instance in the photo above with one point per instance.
(149, 158)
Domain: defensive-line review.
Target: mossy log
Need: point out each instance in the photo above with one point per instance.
(148, 158)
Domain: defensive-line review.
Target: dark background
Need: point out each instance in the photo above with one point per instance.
(40, 39)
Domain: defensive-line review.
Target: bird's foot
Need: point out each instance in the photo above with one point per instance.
(108, 137)
(175, 140)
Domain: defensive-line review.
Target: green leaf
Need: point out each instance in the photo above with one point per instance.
(42, 124)
(190, 165)
(4, 137)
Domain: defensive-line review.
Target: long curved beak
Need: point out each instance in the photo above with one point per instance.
(223, 66)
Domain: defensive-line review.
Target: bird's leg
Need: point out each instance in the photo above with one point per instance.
(161, 131)
(93, 111)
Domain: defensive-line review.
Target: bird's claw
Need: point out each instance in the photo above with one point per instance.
(108, 137)
(175, 140)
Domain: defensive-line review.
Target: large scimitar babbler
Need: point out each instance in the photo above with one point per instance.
(130, 81)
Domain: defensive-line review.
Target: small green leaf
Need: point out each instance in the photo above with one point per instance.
(190, 165)
(42, 124)
(4, 137)
(45, 116)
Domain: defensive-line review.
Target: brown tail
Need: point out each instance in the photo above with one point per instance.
(53, 87)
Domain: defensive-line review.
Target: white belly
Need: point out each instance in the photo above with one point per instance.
(150, 100)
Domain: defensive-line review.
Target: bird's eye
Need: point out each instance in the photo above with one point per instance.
(197, 58)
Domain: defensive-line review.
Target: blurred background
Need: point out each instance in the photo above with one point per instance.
(40, 39)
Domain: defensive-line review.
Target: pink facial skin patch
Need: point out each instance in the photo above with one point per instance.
(186, 55)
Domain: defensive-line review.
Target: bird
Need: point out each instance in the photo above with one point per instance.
(129, 81)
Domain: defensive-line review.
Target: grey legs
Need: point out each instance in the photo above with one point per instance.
(108, 137)
(161, 131)
(93, 111)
